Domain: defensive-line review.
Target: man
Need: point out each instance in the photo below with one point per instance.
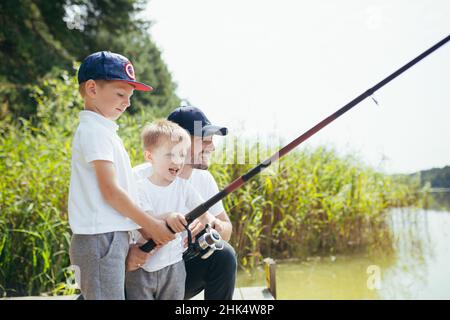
(216, 274)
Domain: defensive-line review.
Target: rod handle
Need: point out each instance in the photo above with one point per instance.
(150, 244)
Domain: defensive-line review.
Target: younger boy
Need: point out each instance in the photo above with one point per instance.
(163, 276)
(102, 195)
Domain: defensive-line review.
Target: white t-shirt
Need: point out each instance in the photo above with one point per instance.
(179, 196)
(202, 181)
(96, 139)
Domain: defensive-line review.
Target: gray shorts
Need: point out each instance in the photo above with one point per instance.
(99, 260)
(165, 284)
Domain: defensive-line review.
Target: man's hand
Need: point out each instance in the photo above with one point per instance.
(196, 227)
(137, 258)
(176, 221)
(218, 225)
(199, 224)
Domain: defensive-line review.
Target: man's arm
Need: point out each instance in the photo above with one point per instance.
(223, 225)
(221, 222)
(118, 198)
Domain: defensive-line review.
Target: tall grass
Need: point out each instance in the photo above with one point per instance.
(313, 203)
(316, 203)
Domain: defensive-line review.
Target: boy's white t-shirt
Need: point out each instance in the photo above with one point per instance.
(202, 181)
(179, 196)
(96, 139)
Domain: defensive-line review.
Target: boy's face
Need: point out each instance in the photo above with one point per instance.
(109, 98)
(167, 159)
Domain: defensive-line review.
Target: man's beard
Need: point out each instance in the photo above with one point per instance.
(200, 166)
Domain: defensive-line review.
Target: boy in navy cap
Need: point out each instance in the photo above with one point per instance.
(102, 195)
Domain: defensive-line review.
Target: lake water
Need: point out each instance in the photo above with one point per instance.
(419, 268)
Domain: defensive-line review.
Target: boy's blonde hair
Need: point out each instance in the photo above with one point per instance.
(163, 130)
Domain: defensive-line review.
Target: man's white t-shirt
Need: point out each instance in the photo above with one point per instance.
(179, 196)
(96, 139)
(202, 181)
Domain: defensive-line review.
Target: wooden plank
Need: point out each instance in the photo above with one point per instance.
(271, 279)
(236, 295)
(68, 297)
(256, 293)
(245, 293)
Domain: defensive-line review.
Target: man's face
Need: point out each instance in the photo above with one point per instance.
(112, 98)
(200, 151)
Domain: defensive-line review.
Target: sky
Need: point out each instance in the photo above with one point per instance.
(276, 68)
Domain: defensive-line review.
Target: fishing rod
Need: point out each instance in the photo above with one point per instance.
(237, 183)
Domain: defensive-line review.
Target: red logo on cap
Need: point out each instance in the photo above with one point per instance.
(130, 70)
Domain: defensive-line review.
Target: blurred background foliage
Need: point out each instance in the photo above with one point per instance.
(38, 37)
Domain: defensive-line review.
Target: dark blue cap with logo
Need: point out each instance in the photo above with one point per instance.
(106, 65)
(195, 121)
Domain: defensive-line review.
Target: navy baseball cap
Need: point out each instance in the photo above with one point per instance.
(106, 65)
(195, 121)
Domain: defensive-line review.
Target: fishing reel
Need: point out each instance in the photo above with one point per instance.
(206, 242)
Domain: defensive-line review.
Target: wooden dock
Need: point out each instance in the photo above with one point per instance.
(268, 292)
(245, 293)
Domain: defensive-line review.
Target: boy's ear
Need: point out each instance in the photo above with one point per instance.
(148, 156)
(90, 88)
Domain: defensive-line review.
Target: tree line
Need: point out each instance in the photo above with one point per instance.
(39, 36)
(436, 177)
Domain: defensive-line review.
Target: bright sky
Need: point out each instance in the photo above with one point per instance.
(279, 67)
